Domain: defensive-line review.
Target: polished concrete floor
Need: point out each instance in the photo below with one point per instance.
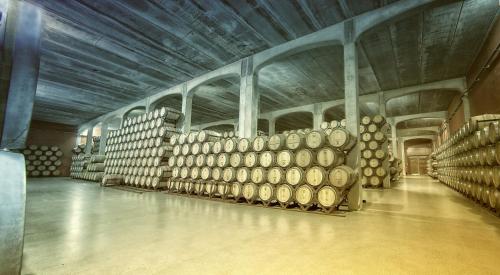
(419, 227)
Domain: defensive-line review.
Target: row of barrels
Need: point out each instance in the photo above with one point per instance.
(488, 196)
(88, 176)
(480, 175)
(143, 139)
(327, 198)
(42, 161)
(160, 149)
(158, 171)
(166, 114)
(333, 124)
(96, 142)
(374, 151)
(488, 155)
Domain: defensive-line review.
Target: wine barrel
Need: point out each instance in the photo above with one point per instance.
(295, 141)
(379, 136)
(217, 173)
(236, 160)
(380, 154)
(366, 120)
(494, 132)
(266, 193)
(267, 159)
(184, 172)
(304, 196)
(328, 198)
(342, 176)
(276, 142)
(250, 192)
(206, 148)
(195, 173)
(211, 188)
(182, 139)
(229, 174)
(373, 145)
(374, 163)
(211, 160)
(243, 175)
(174, 139)
(375, 181)
(230, 145)
(304, 158)
(285, 195)
(244, 145)
(260, 143)
(204, 136)
(341, 139)
(368, 172)
(236, 190)
(275, 175)
(251, 159)
(328, 157)
(190, 160)
(201, 160)
(315, 139)
(180, 161)
(206, 173)
(199, 188)
(285, 158)
(324, 125)
(186, 148)
(192, 137)
(217, 147)
(196, 148)
(372, 128)
(380, 172)
(258, 175)
(316, 175)
(223, 189)
(334, 124)
(223, 160)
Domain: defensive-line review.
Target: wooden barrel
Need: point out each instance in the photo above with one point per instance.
(250, 192)
(184, 172)
(373, 145)
(372, 128)
(379, 120)
(244, 145)
(190, 161)
(366, 120)
(211, 188)
(374, 163)
(494, 132)
(368, 172)
(285, 194)
(186, 149)
(379, 136)
(206, 173)
(258, 175)
(199, 188)
(366, 137)
(251, 159)
(236, 190)
(206, 148)
(295, 176)
(334, 124)
(304, 196)
(324, 125)
(375, 181)
(275, 175)
(380, 172)
(223, 189)
(328, 197)
(295, 141)
(316, 175)
(328, 157)
(236, 160)
(342, 176)
(267, 193)
(196, 148)
(304, 158)
(182, 139)
(180, 161)
(211, 160)
(204, 136)
(380, 154)
(315, 139)
(217, 173)
(195, 173)
(201, 160)
(217, 147)
(243, 175)
(267, 159)
(494, 198)
(229, 174)
(484, 138)
(174, 139)
(341, 139)
(260, 144)
(230, 145)
(276, 142)
(285, 158)
(367, 154)
(223, 160)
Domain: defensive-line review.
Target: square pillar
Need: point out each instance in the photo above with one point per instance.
(104, 138)
(272, 126)
(249, 100)
(466, 103)
(352, 116)
(187, 108)
(317, 116)
(403, 156)
(381, 104)
(88, 143)
(394, 139)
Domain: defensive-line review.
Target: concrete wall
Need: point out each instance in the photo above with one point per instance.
(485, 94)
(64, 136)
(457, 119)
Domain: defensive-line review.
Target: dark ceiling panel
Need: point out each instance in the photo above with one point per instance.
(293, 121)
(421, 122)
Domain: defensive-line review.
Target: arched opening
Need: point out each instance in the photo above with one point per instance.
(263, 126)
(294, 121)
(420, 102)
(173, 101)
(417, 153)
(338, 112)
(114, 123)
(220, 128)
(216, 101)
(134, 112)
(81, 138)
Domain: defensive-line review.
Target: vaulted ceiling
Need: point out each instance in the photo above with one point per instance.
(98, 56)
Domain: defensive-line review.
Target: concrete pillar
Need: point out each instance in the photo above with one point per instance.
(249, 100)
(88, 144)
(187, 108)
(317, 116)
(394, 139)
(104, 138)
(403, 156)
(272, 126)
(466, 103)
(23, 77)
(381, 104)
(352, 109)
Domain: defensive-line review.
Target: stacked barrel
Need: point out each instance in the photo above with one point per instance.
(394, 168)
(42, 161)
(137, 154)
(468, 161)
(96, 141)
(431, 166)
(374, 151)
(288, 169)
(334, 124)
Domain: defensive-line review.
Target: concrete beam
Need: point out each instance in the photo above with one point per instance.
(398, 119)
(466, 103)
(23, 76)
(317, 116)
(249, 100)
(88, 143)
(104, 138)
(233, 69)
(187, 109)
(381, 104)
(215, 123)
(457, 84)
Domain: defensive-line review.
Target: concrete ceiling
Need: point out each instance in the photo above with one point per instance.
(98, 56)
(294, 121)
(419, 123)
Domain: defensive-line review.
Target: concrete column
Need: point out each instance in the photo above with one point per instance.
(249, 100)
(187, 108)
(88, 144)
(317, 116)
(381, 104)
(272, 126)
(394, 139)
(23, 77)
(352, 110)
(104, 137)
(403, 156)
(466, 103)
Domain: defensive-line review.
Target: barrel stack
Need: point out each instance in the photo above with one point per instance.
(42, 160)
(88, 167)
(432, 166)
(395, 168)
(469, 161)
(79, 162)
(290, 169)
(138, 153)
(374, 152)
